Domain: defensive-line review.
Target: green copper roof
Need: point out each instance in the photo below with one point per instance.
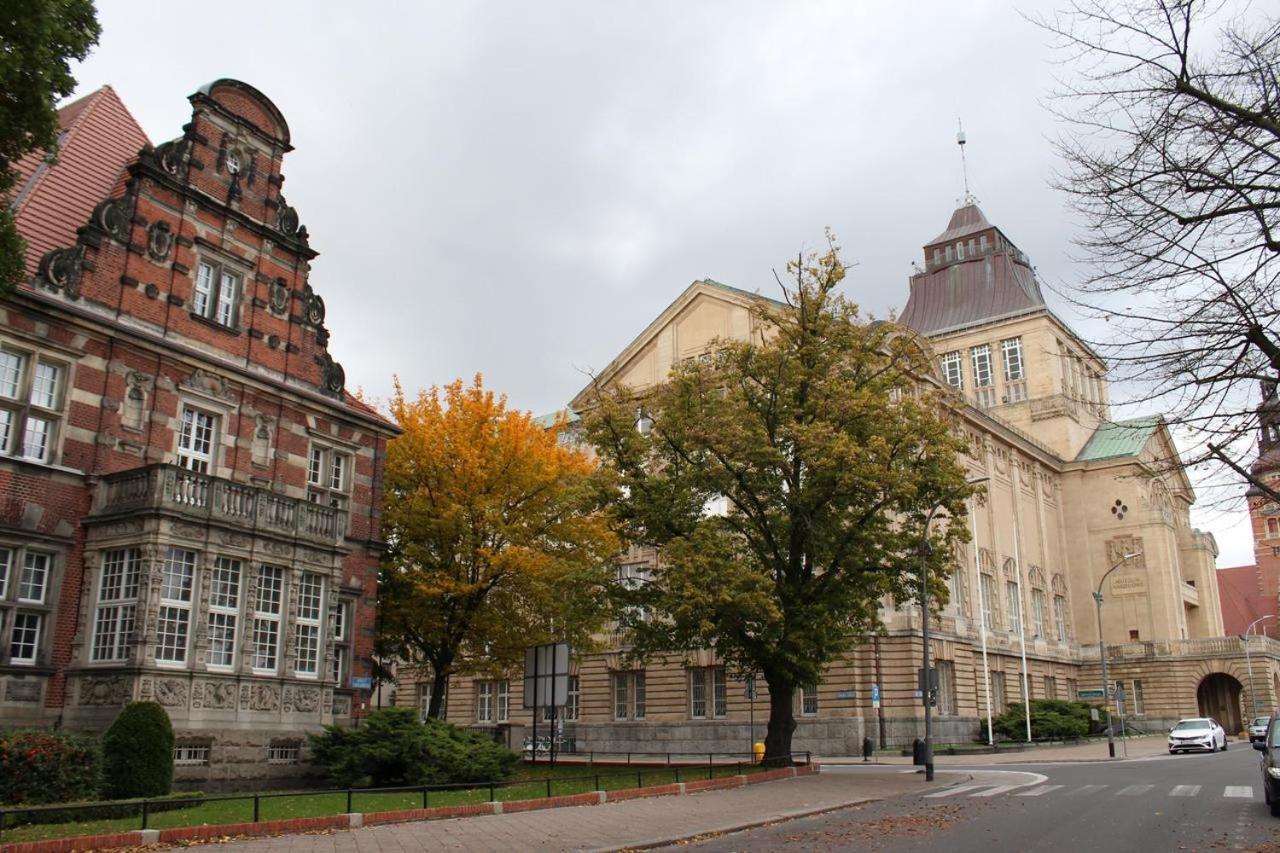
(548, 420)
(730, 288)
(1123, 438)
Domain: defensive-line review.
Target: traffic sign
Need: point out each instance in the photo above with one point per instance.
(875, 693)
(847, 694)
(1090, 694)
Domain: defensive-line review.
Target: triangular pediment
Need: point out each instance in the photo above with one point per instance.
(705, 312)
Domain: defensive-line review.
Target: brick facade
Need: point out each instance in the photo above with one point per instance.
(179, 455)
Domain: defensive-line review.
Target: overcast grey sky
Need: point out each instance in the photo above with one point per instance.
(517, 189)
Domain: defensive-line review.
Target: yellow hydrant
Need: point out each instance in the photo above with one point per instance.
(758, 749)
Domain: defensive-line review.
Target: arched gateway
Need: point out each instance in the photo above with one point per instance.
(1218, 696)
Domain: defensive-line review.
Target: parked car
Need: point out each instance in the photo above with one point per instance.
(1197, 733)
(1258, 729)
(1270, 748)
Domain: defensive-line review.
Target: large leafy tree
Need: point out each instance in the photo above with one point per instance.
(37, 38)
(831, 447)
(1171, 150)
(494, 539)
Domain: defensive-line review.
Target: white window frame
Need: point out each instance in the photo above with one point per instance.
(329, 475)
(984, 375)
(226, 584)
(37, 566)
(115, 616)
(191, 455)
(268, 612)
(808, 695)
(1013, 593)
(175, 607)
(1038, 611)
(708, 688)
(191, 755)
(339, 618)
(31, 638)
(24, 402)
(628, 693)
(217, 293)
(307, 625)
(283, 753)
(493, 701)
(952, 370)
(1060, 616)
(987, 595)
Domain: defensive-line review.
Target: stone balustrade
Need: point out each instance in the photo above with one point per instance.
(216, 500)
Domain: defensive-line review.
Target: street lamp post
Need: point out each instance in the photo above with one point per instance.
(1248, 661)
(1102, 653)
(926, 686)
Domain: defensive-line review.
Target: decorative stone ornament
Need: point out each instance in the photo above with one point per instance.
(312, 306)
(333, 377)
(279, 297)
(159, 240)
(114, 216)
(287, 219)
(60, 270)
(172, 156)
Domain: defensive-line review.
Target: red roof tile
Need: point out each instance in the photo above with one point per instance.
(99, 138)
(1240, 592)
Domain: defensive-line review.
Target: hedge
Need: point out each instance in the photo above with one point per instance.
(48, 767)
(138, 752)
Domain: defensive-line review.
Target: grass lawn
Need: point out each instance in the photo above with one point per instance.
(528, 783)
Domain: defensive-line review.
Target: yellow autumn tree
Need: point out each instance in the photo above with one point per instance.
(494, 539)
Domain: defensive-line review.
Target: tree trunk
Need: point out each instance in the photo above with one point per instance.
(782, 721)
(439, 684)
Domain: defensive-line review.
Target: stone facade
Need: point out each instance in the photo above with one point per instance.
(1069, 493)
(191, 510)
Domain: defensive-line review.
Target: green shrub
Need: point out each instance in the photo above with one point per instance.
(1050, 719)
(138, 752)
(48, 767)
(395, 747)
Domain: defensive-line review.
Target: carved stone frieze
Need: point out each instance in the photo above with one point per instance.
(264, 697)
(207, 383)
(304, 700)
(277, 549)
(171, 693)
(218, 695)
(237, 540)
(188, 531)
(104, 691)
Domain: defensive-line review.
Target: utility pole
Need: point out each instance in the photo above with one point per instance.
(1102, 653)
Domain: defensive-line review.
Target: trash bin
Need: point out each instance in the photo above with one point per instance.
(867, 749)
(917, 751)
(758, 750)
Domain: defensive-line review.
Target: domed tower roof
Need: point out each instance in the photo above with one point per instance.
(973, 274)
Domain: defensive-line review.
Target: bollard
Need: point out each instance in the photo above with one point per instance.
(144, 814)
(349, 809)
(424, 797)
(256, 809)
(548, 787)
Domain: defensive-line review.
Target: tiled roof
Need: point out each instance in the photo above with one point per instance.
(1121, 438)
(1240, 592)
(99, 138)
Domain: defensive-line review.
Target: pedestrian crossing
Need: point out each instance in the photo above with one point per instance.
(1244, 792)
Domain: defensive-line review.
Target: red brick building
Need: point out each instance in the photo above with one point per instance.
(1251, 593)
(189, 497)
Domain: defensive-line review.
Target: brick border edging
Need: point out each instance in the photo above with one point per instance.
(140, 837)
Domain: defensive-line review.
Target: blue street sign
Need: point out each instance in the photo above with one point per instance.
(875, 693)
(847, 694)
(362, 682)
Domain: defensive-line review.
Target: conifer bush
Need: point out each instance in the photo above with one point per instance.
(138, 752)
(394, 747)
(1050, 719)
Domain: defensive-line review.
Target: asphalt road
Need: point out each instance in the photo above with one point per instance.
(1164, 803)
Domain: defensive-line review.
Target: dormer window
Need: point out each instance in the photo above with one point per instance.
(216, 295)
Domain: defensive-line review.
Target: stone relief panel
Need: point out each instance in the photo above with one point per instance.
(218, 695)
(104, 691)
(305, 700)
(171, 693)
(264, 697)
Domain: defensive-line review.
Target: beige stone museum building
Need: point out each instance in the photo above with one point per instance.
(1070, 493)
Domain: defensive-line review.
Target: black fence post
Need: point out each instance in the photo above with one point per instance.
(711, 769)
(2, 813)
(628, 758)
(144, 814)
(491, 797)
(424, 797)
(257, 809)
(548, 787)
(668, 759)
(639, 778)
(677, 768)
(349, 801)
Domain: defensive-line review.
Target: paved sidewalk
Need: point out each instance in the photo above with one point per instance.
(635, 823)
(1134, 747)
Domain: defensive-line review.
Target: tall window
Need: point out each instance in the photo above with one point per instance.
(946, 687)
(808, 700)
(197, 440)
(174, 622)
(983, 375)
(953, 370)
(989, 603)
(569, 711)
(629, 695)
(708, 694)
(998, 695)
(339, 616)
(115, 617)
(1139, 703)
(1060, 616)
(25, 580)
(267, 604)
(216, 292)
(1050, 687)
(31, 392)
(328, 476)
(1037, 612)
(1015, 379)
(426, 689)
(1015, 607)
(310, 606)
(224, 611)
(1273, 528)
(492, 701)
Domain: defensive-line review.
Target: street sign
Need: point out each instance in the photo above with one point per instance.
(847, 694)
(361, 682)
(1089, 694)
(875, 696)
(546, 675)
(750, 692)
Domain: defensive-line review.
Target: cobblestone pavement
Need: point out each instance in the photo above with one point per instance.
(612, 826)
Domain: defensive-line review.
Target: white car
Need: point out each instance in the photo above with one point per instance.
(1198, 733)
